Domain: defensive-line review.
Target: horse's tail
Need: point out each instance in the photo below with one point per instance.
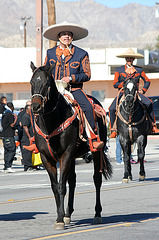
(107, 169)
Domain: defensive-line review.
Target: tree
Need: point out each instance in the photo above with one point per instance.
(51, 18)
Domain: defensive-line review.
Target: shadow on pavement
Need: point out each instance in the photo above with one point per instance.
(155, 179)
(116, 219)
(20, 216)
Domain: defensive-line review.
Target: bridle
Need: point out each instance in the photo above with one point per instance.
(134, 97)
(37, 98)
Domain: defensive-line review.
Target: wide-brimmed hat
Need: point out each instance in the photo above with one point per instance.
(78, 31)
(130, 53)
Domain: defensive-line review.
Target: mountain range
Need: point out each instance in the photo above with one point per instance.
(133, 25)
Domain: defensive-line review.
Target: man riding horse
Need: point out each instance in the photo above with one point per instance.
(125, 72)
(73, 67)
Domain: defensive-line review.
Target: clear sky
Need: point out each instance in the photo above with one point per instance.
(121, 3)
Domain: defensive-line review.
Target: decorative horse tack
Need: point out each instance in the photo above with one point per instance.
(129, 122)
(57, 131)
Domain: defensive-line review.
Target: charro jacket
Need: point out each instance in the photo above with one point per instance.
(76, 65)
(122, 71)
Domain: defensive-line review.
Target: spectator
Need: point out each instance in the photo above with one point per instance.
(3, 103)
(19, 121)
(118, 152)
(26, 137)
(19, 126)
(8, 123)
(119, 159)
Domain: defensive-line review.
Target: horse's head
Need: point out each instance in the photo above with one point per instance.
(130, 92)
(40, 86)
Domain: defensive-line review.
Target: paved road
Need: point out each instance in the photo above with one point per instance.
(130, 211)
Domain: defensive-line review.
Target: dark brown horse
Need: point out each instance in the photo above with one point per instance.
(51, 113)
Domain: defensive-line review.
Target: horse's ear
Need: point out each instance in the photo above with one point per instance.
(136, 78)
(32, 66)
(50, 68)
(123, 78)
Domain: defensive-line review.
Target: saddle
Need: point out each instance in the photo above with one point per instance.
(83, 122)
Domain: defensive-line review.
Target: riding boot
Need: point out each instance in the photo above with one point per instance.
(97, 145)
(154, 128)
(94, 142)
(113, 134)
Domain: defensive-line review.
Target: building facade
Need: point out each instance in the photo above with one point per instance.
(16, 73)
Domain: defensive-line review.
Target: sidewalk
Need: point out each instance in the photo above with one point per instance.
(17, 166)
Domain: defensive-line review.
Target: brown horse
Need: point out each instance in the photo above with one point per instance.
(51, 113)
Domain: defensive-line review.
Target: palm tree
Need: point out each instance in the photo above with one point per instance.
(51, 18)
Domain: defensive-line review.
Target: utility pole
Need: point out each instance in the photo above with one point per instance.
(25, 19)
(39, 26)
(51, 18)
(157, 10)
(39, 30)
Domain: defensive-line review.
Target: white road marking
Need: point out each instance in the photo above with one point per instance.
(48, 185)
(46, 182)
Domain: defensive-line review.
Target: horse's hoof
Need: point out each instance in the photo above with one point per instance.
(59, 225)
(141, 178)
(97, 220)
(125, 180)
(67, 220)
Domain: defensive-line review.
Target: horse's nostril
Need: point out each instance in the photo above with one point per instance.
(36, 107)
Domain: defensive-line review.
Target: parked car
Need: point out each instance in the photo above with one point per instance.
(155, 100)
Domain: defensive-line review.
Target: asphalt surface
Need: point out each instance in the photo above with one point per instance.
(130, 211)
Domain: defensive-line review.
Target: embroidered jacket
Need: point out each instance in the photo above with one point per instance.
(76, 65)
(122, 71)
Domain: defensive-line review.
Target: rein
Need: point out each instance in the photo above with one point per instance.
(54, 107)
(37, 95)
(129, 122)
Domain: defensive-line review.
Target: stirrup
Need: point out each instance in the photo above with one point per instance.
(113, 134)
(155, 129)
(95, 144)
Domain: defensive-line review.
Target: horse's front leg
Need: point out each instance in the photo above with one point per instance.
(72, 185)
(127, 166)
(65, 163)
(52, 171)
(97, 182)
(141, 155)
